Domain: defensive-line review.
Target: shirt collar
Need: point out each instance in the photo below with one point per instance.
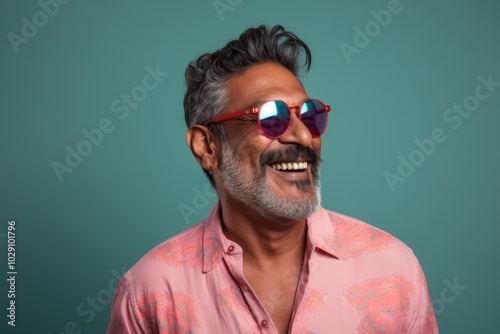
(214, 239)
(320, 232)
(319, 229)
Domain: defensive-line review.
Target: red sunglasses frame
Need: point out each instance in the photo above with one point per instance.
(256, 110)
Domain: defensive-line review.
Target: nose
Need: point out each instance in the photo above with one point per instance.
(297, 133)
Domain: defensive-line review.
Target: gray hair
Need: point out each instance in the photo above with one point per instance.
(207, 76)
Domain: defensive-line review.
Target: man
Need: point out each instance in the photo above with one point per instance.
(268, 258)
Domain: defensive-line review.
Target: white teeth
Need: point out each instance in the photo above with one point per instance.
(290, 166)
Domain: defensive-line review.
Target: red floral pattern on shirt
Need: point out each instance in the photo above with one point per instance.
(183, 250)
(171, 312)
(231, 299)
(313, 301)
(381, 303)
(353, 238)
(430, 320)
(119, 326)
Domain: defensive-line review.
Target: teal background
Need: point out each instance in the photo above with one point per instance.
(124, 197)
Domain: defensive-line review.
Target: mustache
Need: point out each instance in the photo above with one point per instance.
(291, 153)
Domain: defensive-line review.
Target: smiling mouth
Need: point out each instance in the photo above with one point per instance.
(289, 166)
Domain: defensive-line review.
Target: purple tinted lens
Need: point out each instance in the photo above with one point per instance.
(274, 118)
(314, 116)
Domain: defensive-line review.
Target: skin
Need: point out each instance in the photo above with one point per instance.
(273, 250)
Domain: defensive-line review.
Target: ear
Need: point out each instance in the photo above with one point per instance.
(203, 145)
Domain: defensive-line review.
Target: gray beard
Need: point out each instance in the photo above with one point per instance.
(249, 187)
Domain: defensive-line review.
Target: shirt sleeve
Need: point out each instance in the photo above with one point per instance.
(423, 319)
(124, 318)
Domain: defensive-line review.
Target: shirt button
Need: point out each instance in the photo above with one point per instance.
(264, 323)
(244, 288)
(230, 248)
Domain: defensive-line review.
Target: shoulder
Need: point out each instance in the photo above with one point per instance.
(154, 292)
(381, 274)
(181, 249)
(169, 261)
(352, 238)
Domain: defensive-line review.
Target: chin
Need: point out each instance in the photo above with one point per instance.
(286, 210)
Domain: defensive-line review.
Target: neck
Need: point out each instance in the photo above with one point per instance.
(265, 243)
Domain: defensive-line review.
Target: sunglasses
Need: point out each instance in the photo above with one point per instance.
(275, 117)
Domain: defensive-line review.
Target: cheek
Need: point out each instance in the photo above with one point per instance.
(248, 143)
(250, 153)
(317, 144)
(249, 148)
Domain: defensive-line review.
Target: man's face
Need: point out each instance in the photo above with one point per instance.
(249, 159)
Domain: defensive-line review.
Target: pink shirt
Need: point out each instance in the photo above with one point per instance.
(355, 279)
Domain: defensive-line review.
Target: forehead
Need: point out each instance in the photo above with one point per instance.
(264, 82)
